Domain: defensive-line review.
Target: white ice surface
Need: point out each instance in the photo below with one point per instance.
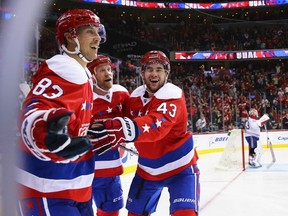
(254, 192)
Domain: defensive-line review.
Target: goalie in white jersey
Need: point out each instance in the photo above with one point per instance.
(252, 135)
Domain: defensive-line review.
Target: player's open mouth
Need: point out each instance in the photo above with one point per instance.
(95, 47)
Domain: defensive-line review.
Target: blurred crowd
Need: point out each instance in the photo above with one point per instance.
(220, 96)
(225, 97)
(192, 35)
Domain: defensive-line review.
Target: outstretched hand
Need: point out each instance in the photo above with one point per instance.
(52, 139)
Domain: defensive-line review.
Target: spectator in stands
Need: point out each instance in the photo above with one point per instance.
(285, 121)
(201, 124)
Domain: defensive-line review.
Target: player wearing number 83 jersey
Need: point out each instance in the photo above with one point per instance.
(39, 174)
(56, 168)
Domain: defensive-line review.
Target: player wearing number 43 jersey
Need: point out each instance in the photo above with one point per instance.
(167, 156)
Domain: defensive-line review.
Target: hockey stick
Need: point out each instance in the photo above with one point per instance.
(271, 149)
(129, 150)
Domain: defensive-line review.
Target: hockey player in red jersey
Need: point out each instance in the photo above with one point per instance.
(109, 101)
(167, 156)
(56, 169)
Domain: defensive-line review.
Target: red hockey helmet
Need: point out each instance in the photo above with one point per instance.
(100, 60)
(71, 20)
(155, 56)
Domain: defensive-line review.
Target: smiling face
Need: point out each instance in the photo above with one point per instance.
(89, 41)
(154, 76)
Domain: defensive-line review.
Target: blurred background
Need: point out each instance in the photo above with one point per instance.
(226, 56)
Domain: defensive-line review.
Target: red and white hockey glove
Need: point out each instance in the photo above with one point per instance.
(50, 136)
(109, 134)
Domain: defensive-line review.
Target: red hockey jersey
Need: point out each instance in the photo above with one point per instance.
(165, 146)
(60, 82)
(106, 107)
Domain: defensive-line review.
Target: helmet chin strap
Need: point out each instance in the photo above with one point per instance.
(98, 87)
(83, 58)
(76, 51)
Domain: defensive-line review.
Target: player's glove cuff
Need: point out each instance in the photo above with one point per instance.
(51, 140)
(129, 128)
(110, 133)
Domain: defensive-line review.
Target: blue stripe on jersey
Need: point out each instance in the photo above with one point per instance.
(169, 157)
(52, 170)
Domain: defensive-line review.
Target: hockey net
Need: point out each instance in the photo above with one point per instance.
(233, 156)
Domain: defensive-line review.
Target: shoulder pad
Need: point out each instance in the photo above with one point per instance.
(118, 88)
(68, 69)
(139, 91)
(169, 91)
